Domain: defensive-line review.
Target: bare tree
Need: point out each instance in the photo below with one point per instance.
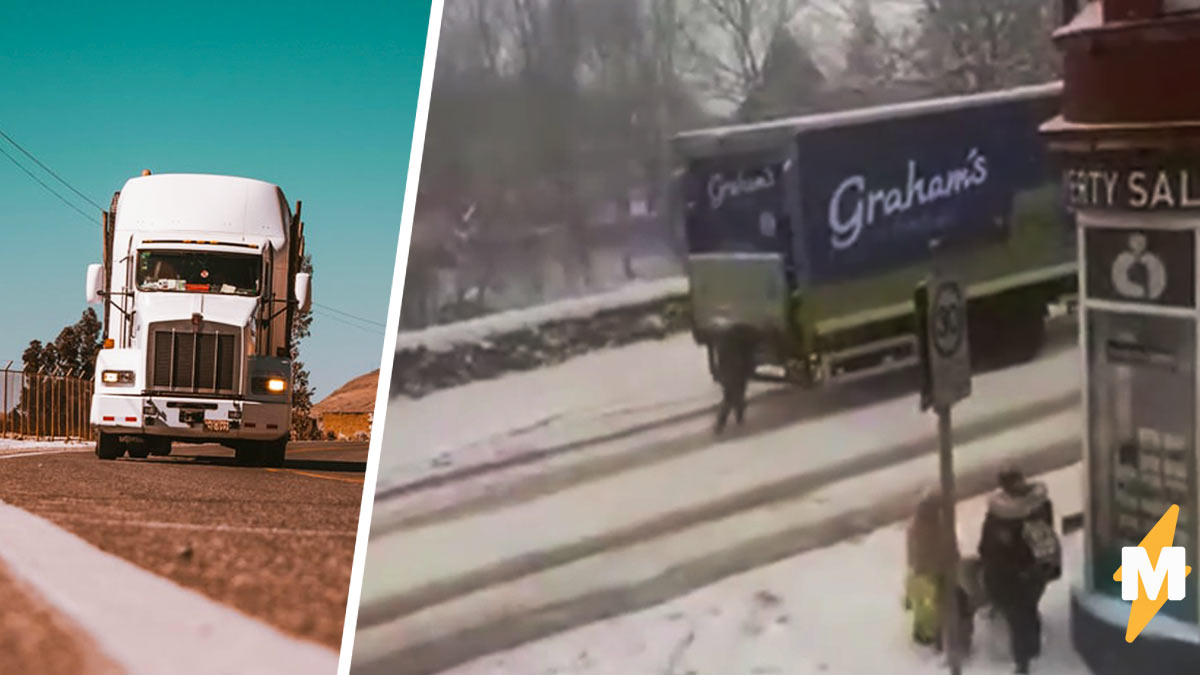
(869, 52)
(474, 36)
(791, 83)
(978, 45)
(551, 57)
(727, 42)
(543, 113)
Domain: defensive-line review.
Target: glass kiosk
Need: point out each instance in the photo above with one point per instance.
(1138, 322)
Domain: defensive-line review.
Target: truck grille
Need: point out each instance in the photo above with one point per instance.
(182, 360)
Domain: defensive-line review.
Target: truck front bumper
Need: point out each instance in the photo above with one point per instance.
(201, 419)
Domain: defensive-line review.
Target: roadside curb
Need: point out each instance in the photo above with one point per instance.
(145, 623)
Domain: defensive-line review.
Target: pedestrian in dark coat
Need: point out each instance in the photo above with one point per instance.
(735, 364)
(1020, 553)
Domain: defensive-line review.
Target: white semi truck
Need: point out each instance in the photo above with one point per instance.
(201, 284)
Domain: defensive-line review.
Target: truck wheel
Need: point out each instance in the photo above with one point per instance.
(247, 453)
(1031, 333)
(273, 452)
(1005, 332)
(138, 449)
(158, 447)
(109, 446)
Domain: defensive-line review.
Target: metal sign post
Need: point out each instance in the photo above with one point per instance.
(946, 368)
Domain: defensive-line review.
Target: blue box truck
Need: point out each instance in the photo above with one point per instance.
(815, 230)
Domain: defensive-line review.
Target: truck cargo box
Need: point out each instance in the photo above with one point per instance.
(846, 204)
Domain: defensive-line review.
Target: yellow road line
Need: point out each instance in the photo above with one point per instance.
(317, 475)
(332, 449)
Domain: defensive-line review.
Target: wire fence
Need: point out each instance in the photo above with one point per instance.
(44, 405)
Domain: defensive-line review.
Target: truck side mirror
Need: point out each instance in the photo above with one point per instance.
(95, 284)
(304, 291)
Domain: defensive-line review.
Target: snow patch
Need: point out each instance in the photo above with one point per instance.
(20, 447)
(476, 331)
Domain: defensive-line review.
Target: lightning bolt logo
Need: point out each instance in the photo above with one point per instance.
(1143, 609)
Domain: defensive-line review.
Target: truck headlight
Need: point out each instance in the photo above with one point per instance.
(117, 377)
(272, 384)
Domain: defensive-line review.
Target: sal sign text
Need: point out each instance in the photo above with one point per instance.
(1149, 189)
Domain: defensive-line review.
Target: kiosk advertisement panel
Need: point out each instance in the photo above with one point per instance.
(1142, 437)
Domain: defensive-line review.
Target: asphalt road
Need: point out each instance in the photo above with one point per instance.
(275, 543)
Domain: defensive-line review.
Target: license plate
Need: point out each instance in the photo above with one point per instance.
(216, 425)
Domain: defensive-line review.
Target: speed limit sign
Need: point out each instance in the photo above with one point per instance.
(942, 326)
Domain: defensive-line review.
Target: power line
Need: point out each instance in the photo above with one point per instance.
(352, 316)
(334, 317)
(70, 204)
(49, 170)
(50, 189)
(340, 320)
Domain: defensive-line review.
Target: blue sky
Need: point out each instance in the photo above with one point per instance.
(316, 97)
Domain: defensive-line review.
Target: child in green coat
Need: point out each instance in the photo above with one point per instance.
(929, 562)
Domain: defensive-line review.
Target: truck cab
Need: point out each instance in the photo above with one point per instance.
(200, 285)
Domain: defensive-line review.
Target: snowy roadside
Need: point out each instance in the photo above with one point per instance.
(489, 420)
(18, 447)
(522, 413)
(442, 338)
(787, 618)
(480, 349)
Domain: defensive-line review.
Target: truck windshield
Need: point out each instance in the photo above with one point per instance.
(198, 272)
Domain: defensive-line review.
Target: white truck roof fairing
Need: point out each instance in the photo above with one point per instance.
(740, 137)
(182, 207)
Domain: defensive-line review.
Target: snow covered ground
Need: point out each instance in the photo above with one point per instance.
(13, 447)
(588, 395)
(481, 329)
(834, 611)
(644, 383)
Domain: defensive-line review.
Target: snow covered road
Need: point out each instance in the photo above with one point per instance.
(787, 619)
(526, 505)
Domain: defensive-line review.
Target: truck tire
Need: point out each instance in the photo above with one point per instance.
(262, 453)
(158, 447)
(1031, 333)
(1006, 331)
(273, 452)
(139, 449)
(108, 446)
(247, 453)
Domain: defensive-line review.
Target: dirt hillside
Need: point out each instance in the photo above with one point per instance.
(356, 396)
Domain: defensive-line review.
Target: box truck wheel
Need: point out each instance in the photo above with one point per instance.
(1031, 334)
(1006, 330)
(109, 446)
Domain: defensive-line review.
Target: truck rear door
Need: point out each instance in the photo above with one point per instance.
(739, 232)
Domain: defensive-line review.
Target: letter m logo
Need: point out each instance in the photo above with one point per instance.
(1139, 574)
